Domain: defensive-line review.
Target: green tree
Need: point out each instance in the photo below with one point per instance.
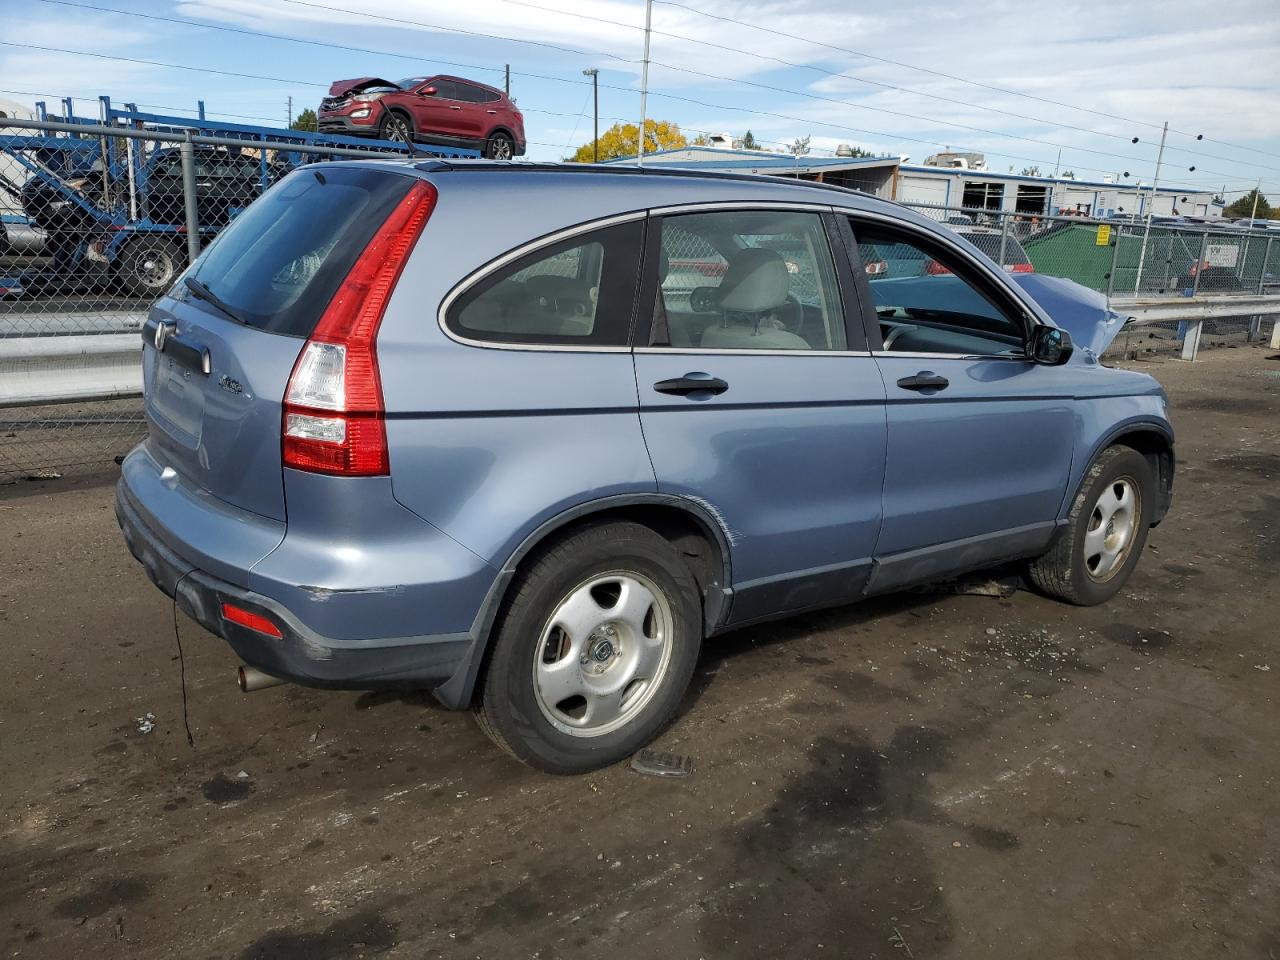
(1031, 171)
(800, 147)
(623, 140)
(306, 120)
(749, 142)
(1244, 207)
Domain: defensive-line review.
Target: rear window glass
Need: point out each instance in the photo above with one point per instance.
(280, 262)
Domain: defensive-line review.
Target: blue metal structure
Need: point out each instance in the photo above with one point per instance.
(103, 222)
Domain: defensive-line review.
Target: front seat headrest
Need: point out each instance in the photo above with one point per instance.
(756, 280)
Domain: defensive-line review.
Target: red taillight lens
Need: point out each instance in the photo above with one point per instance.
(247, 618)
(1020, 268)
(934, 269)
(333, 411)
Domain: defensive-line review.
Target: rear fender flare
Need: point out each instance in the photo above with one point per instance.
(456, 692)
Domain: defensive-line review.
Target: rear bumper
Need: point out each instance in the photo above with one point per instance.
(301, 655)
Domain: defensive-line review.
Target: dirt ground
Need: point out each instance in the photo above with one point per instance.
(927, 775)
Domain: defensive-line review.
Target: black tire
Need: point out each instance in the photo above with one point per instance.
(149, 266)
(510, 710)
(397, 126)
(1065, 571)
(499, 147)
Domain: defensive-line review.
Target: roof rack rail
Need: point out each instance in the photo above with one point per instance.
(491, 166)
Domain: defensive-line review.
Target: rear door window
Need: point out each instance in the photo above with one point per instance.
(469, 94)
(279, 263)
(578, 292)
(747, 280)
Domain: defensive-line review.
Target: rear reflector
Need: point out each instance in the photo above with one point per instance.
(247, 618)
(1020, 268)
(333, 409)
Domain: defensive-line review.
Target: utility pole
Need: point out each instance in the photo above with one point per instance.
(1256, 194)
(506, 79)
(644, 78)
(594, 74)
(289, 110)
(1146, 233)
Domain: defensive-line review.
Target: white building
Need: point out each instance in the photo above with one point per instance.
(1038, 196)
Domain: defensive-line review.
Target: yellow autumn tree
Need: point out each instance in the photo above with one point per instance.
(622, 140)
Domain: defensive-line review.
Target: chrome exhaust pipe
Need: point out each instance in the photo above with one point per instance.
(251, 679)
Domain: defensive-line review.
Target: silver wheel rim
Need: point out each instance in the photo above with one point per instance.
(501, 149)
(398, 130)
(153, 269)
(1113, 526)
(602, 654)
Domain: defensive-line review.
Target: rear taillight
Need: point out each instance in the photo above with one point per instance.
(934, 269)
(333, 410)
(876, 267)
(1020, 268)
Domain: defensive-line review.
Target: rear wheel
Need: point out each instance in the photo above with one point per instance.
(593, 651)
(396, 126)
(1105, 533)
(499, 147)
(149, 266)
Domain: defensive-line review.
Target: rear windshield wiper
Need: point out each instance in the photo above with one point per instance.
(201, 290)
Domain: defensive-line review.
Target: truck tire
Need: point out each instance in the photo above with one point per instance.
(149, 266)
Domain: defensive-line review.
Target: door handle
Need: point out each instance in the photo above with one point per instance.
(691, 383)
(491, 111)
(455, 108)
(924, 380)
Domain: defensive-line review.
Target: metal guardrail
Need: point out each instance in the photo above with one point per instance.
(46, 370)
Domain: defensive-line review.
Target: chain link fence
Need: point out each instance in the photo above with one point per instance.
(99, 220)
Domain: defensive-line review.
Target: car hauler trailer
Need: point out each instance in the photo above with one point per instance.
(104, 200)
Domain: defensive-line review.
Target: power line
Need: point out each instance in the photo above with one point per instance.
(676, 97)
(150, 106)
(921, 93)
(311, 83)
(561, 48)
(898, 63)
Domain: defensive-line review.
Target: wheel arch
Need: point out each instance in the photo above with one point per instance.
(689, 526)
(1151, 438)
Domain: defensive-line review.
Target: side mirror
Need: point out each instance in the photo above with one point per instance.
(427, 92)
(1050, 346)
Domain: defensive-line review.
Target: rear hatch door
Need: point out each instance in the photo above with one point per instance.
(219, 350)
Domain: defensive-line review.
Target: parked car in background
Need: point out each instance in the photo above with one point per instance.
(444, 110)
(484, 505)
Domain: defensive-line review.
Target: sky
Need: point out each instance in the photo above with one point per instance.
(1083, 77)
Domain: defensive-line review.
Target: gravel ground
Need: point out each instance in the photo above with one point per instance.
(925, 775)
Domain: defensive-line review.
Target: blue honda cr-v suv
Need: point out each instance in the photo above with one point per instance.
(532, 468)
